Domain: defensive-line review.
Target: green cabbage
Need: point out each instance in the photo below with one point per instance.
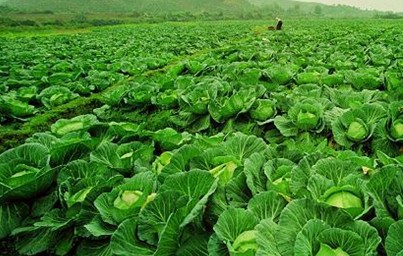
(25, 171)
(263, 110)
(26, 94)
(326, 250)
(55, 96)
(245, 243)
(346, 200)
(305, 115)
(307, 120)
(357, 131)
(280, 74)
(309, 78)
(11, 106)
(126, 199)
(397, 130)
(357, 125)
(140, 94)
(65, 126)
(224, 172)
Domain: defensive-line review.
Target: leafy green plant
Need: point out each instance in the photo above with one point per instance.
(13, 107)
(263, 110)
(394, 124)
(25, 172)
(330, 233)
(224, 107)
(78, 123)
(56, 95)
(306, 115)
(365, 78)
(357, 125)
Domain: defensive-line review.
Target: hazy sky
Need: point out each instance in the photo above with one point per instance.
(384, 5)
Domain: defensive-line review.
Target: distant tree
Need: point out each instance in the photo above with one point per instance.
(248, 15)
(296, 9)
(389, 15)
(258, 15)
(136, 14)
(241, 16)
(277, 8)
(6, 9)
(79, 19)
(29, 23)
(186, 16)
(318, 10)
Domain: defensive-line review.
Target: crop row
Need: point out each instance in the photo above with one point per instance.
(39, 73)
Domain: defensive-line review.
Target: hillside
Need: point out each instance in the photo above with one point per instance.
(291, 8)
(241, 8)
(151, 6)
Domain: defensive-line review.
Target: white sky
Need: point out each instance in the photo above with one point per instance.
(384, 5)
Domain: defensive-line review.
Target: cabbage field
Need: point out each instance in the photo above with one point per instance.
(214, 138)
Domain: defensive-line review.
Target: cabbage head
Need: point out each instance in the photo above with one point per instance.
(306, 115)
(55, 96)
(25, 172)
(245, 244)
(13, 107)
(394, 124)
(357, 125)
(263, 110)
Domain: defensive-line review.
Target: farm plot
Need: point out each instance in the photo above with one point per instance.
(39, 73)
(285, 143)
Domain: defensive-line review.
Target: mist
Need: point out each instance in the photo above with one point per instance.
(385, 5)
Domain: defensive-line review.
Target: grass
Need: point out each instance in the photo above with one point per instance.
(16, 133)
(43, 31)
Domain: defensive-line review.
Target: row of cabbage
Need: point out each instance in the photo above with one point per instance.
(38, 73)
(96, 188)
(358, 109)
(329, 82)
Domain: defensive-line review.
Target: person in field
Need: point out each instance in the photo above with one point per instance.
(279, 25)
